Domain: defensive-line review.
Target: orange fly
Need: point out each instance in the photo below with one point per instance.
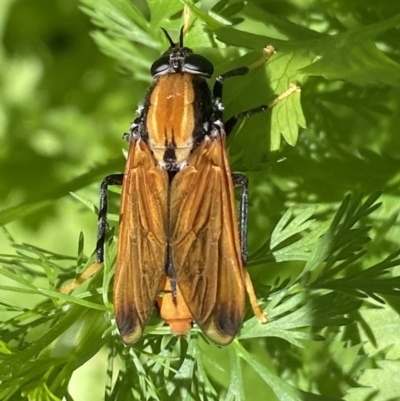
(179, 233)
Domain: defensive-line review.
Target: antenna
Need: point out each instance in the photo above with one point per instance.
(171, 42)
(181, 36)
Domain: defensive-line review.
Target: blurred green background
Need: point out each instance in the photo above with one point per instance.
(64, 106)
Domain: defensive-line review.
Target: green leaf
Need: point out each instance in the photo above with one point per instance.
(285, 243)
(350, 55)
(182, 383)
(236, 385)
(287, 117)
(283, 390)
(89, 204)
(288, 319)
(291, 224)
(354, 57)
(343, 240)
(161, 13)
(378, 384)
(383, 322)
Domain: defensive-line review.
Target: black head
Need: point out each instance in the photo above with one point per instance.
(181, 59)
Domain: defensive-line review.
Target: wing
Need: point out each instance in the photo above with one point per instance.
(205, 245)
(142, 241)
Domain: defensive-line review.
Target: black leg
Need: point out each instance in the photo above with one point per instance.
(230, 124)
(218, 89)
(113, 179)
(219, 82)
(240, 179)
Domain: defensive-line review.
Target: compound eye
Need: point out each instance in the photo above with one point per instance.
(196, 64)
(160, 66)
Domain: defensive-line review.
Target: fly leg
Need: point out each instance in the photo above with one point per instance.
(231, 122)
(114, 179)
(218, 89)
(217, 93)
(219, 82)
(240, 179)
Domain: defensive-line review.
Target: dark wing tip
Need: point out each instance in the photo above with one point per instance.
(128, 326)
(224, 325)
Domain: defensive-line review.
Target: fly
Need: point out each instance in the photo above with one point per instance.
(180, 244)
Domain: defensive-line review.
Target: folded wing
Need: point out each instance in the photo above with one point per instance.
(205, 244)
(142, 241)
